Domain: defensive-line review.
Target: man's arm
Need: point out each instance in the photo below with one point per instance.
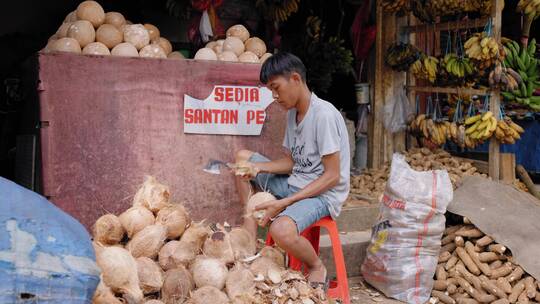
(279, 166)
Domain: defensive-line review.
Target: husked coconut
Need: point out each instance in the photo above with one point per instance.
(153, 301)
(125, 49)
(176, 55)
(152, 194)
(136, 219)
(164, 44)
(254, 201)
(227, 56)
(209, 294)
(165, 256)
(256, 46)
(205, 54)
(235, 45)
(108, 230)
(63, 30)
(150, 275)
(190, 243)
(104, 295)
(71, 17)
(49, 47)
(218, 246)
(218, 47)
(114, 18)
(109, 35)
(240, 281)
(242, 243)
(66, 44)
(248, 57)
(262, 265)
(152, 51)
(153, 31)
(148, 241)
(91, 11)
(96, 48)
(211, 45)
(209, 272)
(128, 22)
(119, 273)
(264, 57)
(82, 31)
(175, 218)
(274, 254)
(238, 31)
(177, 285)
(137, 35)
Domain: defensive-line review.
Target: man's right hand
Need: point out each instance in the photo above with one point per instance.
(246, 170)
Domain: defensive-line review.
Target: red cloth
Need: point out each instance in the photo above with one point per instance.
(363, 36)
(203, 5)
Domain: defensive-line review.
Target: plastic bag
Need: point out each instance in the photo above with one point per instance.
(397, 113)
(406, 239)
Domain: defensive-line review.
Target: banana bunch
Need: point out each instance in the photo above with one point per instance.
(422, 10)
(522, 60)
(395, 6)
(507, 131)
(504, 78)
(313, 27)
(278, 10)
(437, 132)
(457, 66)
(481, 6)
(400, 56)
(484, 49)
(531, 8)
(480, 127)
(425, 68)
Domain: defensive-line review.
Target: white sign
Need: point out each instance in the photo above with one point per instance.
(229, 110)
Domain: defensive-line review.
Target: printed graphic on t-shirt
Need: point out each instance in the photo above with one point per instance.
(300, 158)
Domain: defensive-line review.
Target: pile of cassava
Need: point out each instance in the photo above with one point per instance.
(474, 269)
(153, 253)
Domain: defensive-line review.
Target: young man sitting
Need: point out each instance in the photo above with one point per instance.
(312, 180)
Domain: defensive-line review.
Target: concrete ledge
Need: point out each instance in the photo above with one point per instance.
(354, 245)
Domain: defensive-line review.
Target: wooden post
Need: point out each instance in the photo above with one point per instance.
(508, 167)
(377, 129)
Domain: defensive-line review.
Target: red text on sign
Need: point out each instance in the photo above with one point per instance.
(208, 116)
(229, 94)
(255, 116)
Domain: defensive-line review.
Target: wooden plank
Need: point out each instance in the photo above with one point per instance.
(508, 167)
(526, 179)
(445, 26)
(399, 78)
(448, 90)
(377, 128)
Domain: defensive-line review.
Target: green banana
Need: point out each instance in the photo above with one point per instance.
(508, 96)
(509, 55)
(530, 88)
(535, 99)
(523, 89)
(520, 64)
(523, 75)
(531, 49)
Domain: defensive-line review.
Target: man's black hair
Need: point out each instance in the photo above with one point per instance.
(282, 64)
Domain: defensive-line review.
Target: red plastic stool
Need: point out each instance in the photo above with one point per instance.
(338, 289)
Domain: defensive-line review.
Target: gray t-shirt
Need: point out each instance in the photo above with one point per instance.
(321, 132)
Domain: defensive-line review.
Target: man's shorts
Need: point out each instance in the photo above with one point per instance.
(304, 212)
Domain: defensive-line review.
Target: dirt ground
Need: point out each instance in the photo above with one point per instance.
(361, 293)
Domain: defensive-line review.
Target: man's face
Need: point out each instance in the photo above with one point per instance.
(284, 90)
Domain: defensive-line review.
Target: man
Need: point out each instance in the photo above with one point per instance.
(312, 180)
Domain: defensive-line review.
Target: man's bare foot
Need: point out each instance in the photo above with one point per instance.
(317, 274)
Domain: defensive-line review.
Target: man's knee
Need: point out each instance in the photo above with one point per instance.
(243, 155)
(283, 230)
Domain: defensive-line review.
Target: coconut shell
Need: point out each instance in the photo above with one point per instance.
(254, 201)
(92, 12)
(274, 254)
(209, 294)
(238, 31)
(82, 31)
(264, 57)
(119, 272)
(71, 17)
(227, 56)
(153, 31)
(165, 258)
(115, 18)
(148, 242)
(150, 275)
(63, 29)
(262, 265)
(256, 46)
(242, 243)
(177, 285)
(104, 295)
(152, 51)
(152, 194)
(218, 246)
(209, 272)
(137, 35)
(211, 45)
(125, 50)
(108, 230)
(191, 243)
(153, 301)
(109, 35)
(234, 45)
(175, 218)
(218, 47)
(248, 57)
(205, 54)
(164, 44)
(136, 219)
(67, 45)
(96, 48)
(176, 55)
(240, 281)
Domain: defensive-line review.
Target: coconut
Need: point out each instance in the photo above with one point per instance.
(218, 246)
(136, 218)
(235, 45)
(175, 218)
(165, 258)
(240, 281)
(109, 35)
(82, 31)
(125, 50)
(148, 241)
(91, 11)
(264, 57)
(205, 54)
(71, 17)
(137, 35)
(104, 295)
(63, 29)
(227, 56)
(128, 22)
(108, 229)
(150, 275)
(238, 31)
(152, 194)
(190, 243)
(274, 254)
(263, 265)
(248, 57)
(209, 294)
(256, 46)
(242, 243)
(49, 47)
(153, 301)
(153, 31)
(218, 47)
(115, 18)
(211, 45)
(164, 44)
(66, 44)
(176, 55)
(152, 51)
(96, 48)
(209, 272)
(177, 285)
(254, 201)
(119, 272)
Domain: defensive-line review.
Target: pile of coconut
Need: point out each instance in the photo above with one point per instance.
(91, 31)
(237, 47)
(153, 253)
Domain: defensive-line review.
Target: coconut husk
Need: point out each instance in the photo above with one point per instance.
(240, 282)
(136, 219)
(208, 294)
(153, 301)
(104, 295)
(191, 243)
(148, 241)
(218, 246)
(108, 230)
(166, 252)
(175, 218)
(150, 275)
(177, 285)
(242, 243)
(274, 254)
(152, 195)
(209, 272)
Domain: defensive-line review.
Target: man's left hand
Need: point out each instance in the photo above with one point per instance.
(271, 209)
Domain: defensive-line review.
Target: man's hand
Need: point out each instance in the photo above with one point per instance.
(271, 209)
(246, 170)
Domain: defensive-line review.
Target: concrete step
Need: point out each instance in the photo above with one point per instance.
(356, 218)
(354, 246)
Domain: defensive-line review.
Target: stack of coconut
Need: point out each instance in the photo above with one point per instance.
(152, 253)
(237, 47)
(91, 31)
